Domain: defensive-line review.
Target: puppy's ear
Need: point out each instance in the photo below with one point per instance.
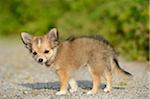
(26, 38)
(53, 34)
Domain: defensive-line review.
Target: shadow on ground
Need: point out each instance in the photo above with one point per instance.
(84, 84)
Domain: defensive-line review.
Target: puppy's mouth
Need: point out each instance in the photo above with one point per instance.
(47, 64)
(41, 63)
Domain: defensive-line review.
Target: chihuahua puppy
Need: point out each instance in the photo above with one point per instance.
(66, 57)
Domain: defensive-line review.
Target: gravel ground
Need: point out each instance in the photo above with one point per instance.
(22, 78)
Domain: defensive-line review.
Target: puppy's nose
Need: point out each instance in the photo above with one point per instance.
(40, 60)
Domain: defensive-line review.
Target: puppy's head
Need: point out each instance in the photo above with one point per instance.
(43, 48)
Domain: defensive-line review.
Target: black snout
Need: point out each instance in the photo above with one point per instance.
(40, 60)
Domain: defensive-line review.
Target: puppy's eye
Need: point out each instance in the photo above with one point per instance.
(46, 51)
(52, 47)
(34, 53)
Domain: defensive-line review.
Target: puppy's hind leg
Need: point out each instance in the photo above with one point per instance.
(108, 76)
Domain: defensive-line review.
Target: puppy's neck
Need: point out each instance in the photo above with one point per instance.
(52, 59)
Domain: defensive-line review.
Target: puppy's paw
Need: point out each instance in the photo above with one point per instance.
(107, 90)
(61, 93)
(73, 90)
(91, 92)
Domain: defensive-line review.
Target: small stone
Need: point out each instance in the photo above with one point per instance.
(25, 92)
(4, 96)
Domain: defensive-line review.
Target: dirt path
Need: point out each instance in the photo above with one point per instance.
(22, 78)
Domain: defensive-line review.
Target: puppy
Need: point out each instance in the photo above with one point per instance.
(66, 57)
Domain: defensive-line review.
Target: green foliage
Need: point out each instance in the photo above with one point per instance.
(123, 22)
(122, 84)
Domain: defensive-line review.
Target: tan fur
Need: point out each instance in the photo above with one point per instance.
(70, 55)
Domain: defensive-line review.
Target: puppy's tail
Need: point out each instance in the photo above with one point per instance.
(119, 70)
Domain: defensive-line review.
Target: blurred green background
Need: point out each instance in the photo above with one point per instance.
(124, 23)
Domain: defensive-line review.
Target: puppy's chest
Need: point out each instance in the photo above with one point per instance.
(69, 57)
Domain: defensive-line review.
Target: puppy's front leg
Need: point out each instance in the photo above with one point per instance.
(63, 77)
